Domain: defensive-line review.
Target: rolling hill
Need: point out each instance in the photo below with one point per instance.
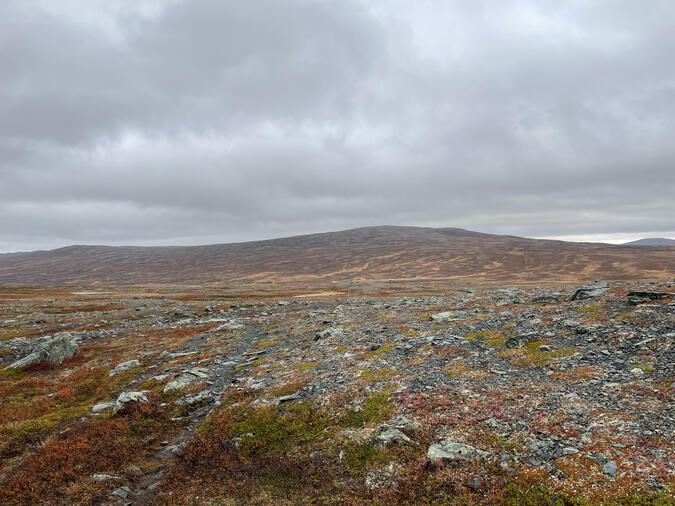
(363, 254)
(651, 241)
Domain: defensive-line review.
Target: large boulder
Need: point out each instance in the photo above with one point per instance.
(54, 349)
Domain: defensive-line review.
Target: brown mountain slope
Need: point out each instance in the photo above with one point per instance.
(373, 253)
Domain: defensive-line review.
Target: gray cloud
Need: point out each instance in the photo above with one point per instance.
(165, 122)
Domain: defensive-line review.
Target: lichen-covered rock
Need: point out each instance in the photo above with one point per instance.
(451, 450)
(54, 350)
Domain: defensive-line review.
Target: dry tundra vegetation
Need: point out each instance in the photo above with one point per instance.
(414, 394)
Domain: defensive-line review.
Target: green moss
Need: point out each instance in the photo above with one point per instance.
(376, 408)
(386, 348)
(591, 308)
(12, 372)
(283, 481)
(205, 427)
(358, 456)
(341, 349)
(524, 495)
(377, 375)
(306, 366)
(529, 355)
(520, 494)
(31, 431)
(268, 430)
(491, 337)
(266, 343)
(644, 367)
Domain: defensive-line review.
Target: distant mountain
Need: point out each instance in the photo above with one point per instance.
(651, 241)
(372, 253)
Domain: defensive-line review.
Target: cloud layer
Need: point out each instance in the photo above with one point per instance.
(184, 122)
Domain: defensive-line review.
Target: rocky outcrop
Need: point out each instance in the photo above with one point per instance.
(53, 350)
(590, 291)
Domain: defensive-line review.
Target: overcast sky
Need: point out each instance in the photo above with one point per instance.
(206, 121)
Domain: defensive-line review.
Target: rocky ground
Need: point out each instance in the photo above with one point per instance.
(469, 395)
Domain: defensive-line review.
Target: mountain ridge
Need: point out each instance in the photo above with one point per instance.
(367, 253)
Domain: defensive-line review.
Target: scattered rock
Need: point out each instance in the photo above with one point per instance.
(609, 468)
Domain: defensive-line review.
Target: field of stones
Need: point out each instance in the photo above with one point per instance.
(456, 395)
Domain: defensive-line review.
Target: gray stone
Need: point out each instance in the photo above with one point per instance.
(450, 450)
(609, 468)
(387, 435)
(569, 450)
(124, 366)
(54, 350)
(127, 397)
